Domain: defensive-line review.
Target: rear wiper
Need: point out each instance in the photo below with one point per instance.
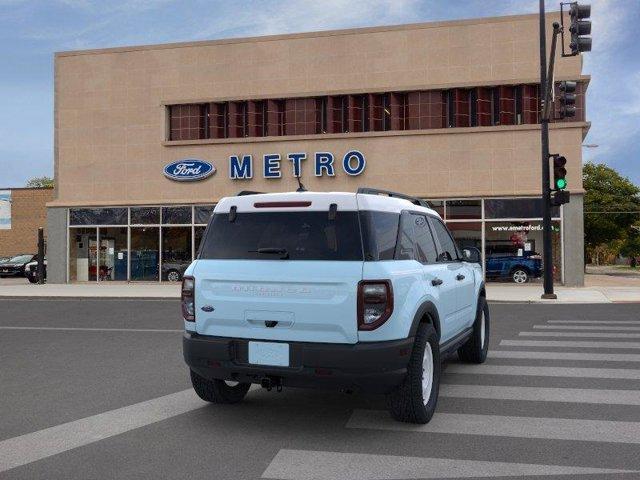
(284, 254)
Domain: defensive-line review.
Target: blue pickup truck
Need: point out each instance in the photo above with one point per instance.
(519, 269)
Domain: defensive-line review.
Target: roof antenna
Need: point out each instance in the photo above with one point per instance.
(300, 185)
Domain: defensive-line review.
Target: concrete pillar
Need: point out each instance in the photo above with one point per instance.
(56, 245)
(573, 237)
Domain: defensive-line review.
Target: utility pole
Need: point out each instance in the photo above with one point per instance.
(579, 28)
(547, 253)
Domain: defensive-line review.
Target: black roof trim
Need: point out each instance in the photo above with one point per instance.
(388, 193)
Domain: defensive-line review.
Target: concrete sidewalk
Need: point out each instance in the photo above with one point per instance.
(496, 292)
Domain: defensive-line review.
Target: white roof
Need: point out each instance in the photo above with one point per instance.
(317, 201)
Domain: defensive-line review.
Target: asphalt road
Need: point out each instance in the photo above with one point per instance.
(96, 389)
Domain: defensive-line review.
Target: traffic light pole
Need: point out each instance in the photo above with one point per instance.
(547, 254)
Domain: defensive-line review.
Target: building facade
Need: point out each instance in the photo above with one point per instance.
(22, 212)
(148, 138)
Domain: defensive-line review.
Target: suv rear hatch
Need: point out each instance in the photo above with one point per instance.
(281, 267)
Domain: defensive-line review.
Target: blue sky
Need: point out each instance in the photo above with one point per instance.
(30, 31)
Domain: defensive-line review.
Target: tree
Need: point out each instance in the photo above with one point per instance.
(40, 182)
(611, 206)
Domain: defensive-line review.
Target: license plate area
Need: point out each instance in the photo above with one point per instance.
(269, 353)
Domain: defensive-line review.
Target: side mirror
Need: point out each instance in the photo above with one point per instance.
(471, 255)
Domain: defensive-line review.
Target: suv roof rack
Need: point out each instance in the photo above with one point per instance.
(388, 193)
(247, 192)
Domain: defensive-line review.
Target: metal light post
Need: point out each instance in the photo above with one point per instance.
(547, 253)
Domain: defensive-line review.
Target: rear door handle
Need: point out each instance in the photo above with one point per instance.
(436, 281)
(459, 277)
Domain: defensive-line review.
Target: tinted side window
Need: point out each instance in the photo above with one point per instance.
(425, 245)
(379, 233)
(406, 240)
(448, 247)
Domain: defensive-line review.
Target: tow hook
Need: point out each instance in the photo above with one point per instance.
(269, 382)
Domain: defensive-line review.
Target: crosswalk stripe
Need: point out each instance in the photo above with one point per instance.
(580, 334)
(51, 441)
(599, 322)
(538, 394)
(503, 426)
(517, 370)
(599, 357)
(566, 344)
(611, 328)
(319, 465)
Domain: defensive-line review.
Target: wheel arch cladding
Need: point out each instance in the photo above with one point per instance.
(427, 312)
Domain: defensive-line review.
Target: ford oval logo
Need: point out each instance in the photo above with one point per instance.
(189, 169)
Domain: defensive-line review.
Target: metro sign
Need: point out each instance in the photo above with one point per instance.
(352, 163)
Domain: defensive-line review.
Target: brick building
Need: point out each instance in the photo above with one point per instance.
(27, 213)
(447, 111)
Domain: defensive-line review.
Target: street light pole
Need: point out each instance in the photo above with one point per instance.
(547, 253)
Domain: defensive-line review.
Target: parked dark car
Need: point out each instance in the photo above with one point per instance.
(519, 269)
(14, 267)
(31, 271)
(173, 271)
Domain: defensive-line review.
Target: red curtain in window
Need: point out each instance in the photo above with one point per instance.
(336, 114)
(358, 113)
(236, 119)
(507, 105)
(217, 120)
(425, 109)
(376, 112)
(397, 111)
(483, 107)
(255, 118)
(300, 116)
(461, 113)
(275, 117)
(186, 122)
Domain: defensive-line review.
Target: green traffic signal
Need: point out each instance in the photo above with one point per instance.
(561, 184)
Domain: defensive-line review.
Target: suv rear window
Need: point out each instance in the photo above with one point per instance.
(302, 235)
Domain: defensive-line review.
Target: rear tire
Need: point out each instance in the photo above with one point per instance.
(218, 391)
(475, 350)
(415, 400)
(520, 275)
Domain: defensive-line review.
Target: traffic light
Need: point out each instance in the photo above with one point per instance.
(559, 172)
(567, 98)
(579, 28)
(560, 198)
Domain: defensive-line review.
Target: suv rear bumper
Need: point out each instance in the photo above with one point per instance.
(374, 367)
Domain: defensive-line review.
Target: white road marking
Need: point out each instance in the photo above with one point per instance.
(599, 357)
(588, 327)
(34, 446)
(599, 322)
(577, 344)
(87, 329)
(580, 334)
(539, 394)
(517, 370)
(317, 465)
(503, 426)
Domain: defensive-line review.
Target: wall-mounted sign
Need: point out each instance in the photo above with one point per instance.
(5, 209)
(324, 164)
(189, 170)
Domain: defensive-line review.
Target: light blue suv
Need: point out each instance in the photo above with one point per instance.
(358, 291)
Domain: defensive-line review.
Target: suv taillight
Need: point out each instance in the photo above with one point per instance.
(375, 303)
(188, 299)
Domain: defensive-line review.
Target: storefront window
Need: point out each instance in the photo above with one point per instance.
(176, 252)
(464, 209)
(145, 253)
(145, 215)
(513, 251)
(202, 214)
(176, 215)
(198, 234)
(467, 234)
(113, 254)
(516, 208)
(98, 216)
(82, 254)
(438, 206)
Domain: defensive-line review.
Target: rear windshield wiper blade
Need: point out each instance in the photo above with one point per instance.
(284, 254)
